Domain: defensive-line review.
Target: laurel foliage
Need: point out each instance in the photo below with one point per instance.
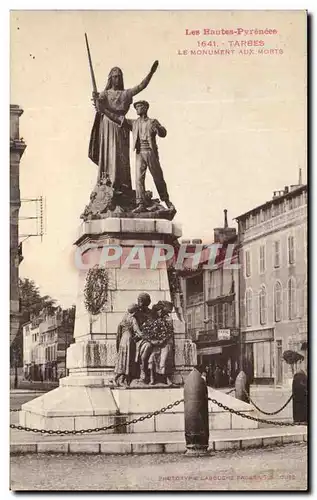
(96, 290)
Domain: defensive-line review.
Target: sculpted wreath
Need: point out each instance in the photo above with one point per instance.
(157, 331)
(96, 290)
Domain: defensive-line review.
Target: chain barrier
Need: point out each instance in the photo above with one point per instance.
(249, 417)
(153, 414)
(99, 429)
(229, 392)
(269, 412)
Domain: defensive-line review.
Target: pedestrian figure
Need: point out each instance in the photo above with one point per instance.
(217, 377)
(299, 390)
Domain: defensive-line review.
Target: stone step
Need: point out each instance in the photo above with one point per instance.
(154, 442)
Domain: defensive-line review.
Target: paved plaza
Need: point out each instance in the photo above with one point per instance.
(279, 468)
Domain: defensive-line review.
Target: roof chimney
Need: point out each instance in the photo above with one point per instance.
(225, 233)
(226, 219)
(300, 177)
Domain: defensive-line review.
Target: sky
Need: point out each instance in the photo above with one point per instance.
(236, 124)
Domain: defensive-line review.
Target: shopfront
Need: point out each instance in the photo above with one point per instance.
(221, 358)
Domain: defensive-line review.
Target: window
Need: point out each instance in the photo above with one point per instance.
(276, 253)
(211, 317)
(195, 319)
(277, 301)
(305, 242)
(247, 263)
(303, 301)
(291, 250)
(219, 316)
(262, 259)
(276, 210)
(199, 317)
(291, 298)
(248, 304)
(229, 315)
(263, 305)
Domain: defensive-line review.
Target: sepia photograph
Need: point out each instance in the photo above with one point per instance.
(158, 250)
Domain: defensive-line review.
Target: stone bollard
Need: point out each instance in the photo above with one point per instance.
(299, 391)
(196, 414)
(242, 386)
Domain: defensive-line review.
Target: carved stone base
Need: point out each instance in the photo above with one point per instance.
(84, 402)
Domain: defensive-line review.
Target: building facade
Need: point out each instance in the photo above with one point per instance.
(17, 147)
(45, 340)
(211, 301)
(273, 283)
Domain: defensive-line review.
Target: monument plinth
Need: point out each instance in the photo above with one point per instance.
(135, 269)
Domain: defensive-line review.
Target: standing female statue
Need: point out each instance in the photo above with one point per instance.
(109, 141)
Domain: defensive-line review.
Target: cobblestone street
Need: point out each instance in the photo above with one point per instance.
(280, 468)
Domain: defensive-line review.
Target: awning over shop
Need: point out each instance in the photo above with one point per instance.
(212, 349)
(209, 350)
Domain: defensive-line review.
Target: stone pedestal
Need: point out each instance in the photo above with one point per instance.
(133, 272)
(86, 396)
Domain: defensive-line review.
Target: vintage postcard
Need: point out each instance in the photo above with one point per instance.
(158, 250)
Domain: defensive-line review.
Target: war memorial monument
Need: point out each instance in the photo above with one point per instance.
(131, 353)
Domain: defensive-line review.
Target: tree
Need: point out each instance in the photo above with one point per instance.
(68, 323)
(292, 358)
(32, 302)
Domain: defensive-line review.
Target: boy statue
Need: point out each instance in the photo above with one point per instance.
(144, 131)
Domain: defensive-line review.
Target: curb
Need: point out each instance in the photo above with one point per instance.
(141, 448)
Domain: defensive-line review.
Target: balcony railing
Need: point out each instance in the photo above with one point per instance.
(195, 299)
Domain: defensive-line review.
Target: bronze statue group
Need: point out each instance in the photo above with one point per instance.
(145, 343)
(109, 146)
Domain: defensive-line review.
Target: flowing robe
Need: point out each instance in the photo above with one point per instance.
(109, 142)
(127, 330)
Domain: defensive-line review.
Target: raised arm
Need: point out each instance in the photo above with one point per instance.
(146, 81)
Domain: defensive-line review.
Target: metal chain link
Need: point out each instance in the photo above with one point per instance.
(269, 412)
(99, 429)
(249, 417)
(231, 390)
